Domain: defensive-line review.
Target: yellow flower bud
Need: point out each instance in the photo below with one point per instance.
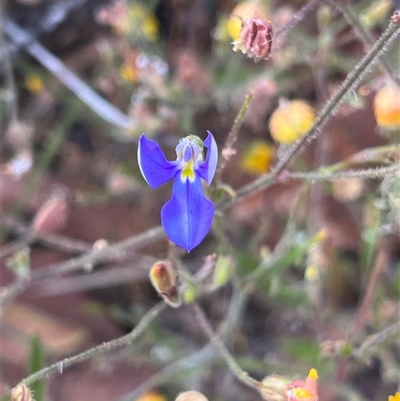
(387, 107)
(291, 120)
(243, 11)
(257, 158)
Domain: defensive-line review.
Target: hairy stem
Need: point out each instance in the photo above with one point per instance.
(100, 349)
(328, 111)
(228, 149)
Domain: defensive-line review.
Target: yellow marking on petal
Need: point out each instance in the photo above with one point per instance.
(313, 374)
(188, 171)
(301, 393)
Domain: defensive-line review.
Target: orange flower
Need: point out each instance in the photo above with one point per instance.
(306, 391)
(387, 107)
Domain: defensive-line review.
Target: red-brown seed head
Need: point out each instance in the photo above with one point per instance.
(255, 39)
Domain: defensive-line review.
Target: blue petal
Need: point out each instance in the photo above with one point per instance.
(155, 168)
(188, 215)
(206, 170)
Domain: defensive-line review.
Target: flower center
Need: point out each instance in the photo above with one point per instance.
(188, 155)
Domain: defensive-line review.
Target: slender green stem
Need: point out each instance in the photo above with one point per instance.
(9, 78)
(100, 349)
(328, 111)
(228, 148)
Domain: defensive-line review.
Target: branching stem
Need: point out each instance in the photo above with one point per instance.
(100, 349)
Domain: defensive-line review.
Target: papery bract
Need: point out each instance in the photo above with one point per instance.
(188, 215)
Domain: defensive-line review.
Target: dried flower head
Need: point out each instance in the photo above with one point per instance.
(255, 39)
(291, 120)
(21, 393)
(166, 281)
(275, 388)
(387, 107)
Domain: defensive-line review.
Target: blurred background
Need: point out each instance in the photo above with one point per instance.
(300, 275)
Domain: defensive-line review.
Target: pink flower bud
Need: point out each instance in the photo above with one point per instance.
(255, 39)
(52, 215)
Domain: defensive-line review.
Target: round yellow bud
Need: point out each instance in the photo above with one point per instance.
(387, 107)
(243, 11)
(290, 121)
(257, 158)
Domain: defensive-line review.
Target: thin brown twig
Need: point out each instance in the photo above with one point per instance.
(106, 347)
(364, 311)
(240, 374)
(298, 17)
(54, 240)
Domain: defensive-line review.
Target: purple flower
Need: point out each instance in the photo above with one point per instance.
(188, 215)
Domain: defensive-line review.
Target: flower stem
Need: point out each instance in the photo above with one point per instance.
(328, 111)
(326, 175)
(100, 349)
(228, 148)
(240, 374)
(365, 37)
